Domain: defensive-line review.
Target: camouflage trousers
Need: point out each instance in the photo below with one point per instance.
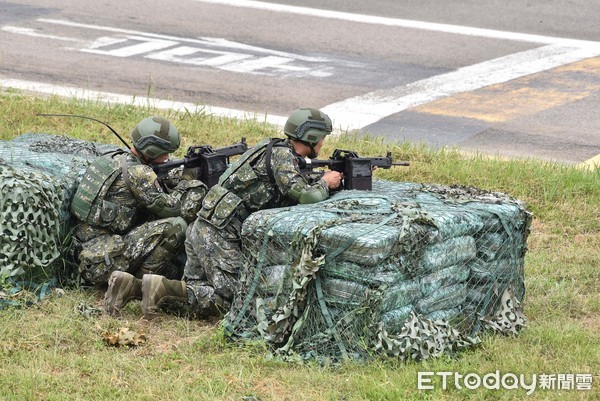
(152, 247)
(214, 259)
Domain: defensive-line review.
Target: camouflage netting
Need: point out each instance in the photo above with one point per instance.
(407, 270)
(38, 177)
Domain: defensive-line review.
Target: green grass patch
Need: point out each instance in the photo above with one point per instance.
(51, 351)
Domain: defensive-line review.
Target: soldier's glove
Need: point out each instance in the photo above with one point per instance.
(172, 179)
(190, 173)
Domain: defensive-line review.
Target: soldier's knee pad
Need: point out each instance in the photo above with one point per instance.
(100, 257)
(174, 237)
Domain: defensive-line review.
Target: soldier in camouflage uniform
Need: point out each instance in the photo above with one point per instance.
(266, 176)
(128, 220)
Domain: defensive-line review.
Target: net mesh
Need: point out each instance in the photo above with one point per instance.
(39, 174)
(406, 269)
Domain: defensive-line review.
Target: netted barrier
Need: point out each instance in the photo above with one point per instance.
(407, 270)
(39, 174)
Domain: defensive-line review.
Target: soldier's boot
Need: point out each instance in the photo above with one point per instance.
(157, 290)
(207, 303)
(122, 288)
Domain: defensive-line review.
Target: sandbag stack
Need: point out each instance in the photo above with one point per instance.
(39, 174)
(329, 278)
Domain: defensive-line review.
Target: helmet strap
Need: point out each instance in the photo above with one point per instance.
(312, 153)
(141, 156)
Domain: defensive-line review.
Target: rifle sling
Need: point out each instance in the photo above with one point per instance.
(124, 171)
(268, 152)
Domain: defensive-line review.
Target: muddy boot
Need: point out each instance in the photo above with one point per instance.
(122, 288)
(157, 289)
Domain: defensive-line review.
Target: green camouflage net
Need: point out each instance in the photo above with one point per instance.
(407, 270)
(30, 221)
(39, 174)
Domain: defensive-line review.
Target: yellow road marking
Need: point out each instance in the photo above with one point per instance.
(590, 164)
(590, 65)
(523, 96)
(497, 104)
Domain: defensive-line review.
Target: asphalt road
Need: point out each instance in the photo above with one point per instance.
(513, 78)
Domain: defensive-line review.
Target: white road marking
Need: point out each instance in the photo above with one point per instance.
(32, 32)
(257, 64)
(143, 45)
(254, 60)
(401, 23)
(360, 111)
(223, 43)
(140, 101)
(217, 58)
(214, 42)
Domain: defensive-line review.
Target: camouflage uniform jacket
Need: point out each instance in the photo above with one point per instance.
(247, 187)
(133, 196)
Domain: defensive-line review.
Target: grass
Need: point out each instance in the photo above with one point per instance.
(52, 352)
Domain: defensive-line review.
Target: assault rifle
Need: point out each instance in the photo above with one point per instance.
(358, 171)
(211, 162)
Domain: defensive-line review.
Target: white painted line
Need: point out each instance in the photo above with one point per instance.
(140, 101)
(360, 111)
(227, 44)
(215, 42)
(143, 45)
(401, 23)
(32, 32)
(105, 41)
(218, 58)
(363, 110)
(256, 64)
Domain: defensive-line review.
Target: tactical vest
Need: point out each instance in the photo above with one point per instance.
(88, 204)
(225, 198)
(243, 165)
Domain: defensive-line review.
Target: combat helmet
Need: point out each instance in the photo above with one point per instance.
(155, 136)
(308, 125)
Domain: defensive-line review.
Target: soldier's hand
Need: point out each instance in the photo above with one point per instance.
(169, 183)
(191, 173)
(333, 179)
(171, 180)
